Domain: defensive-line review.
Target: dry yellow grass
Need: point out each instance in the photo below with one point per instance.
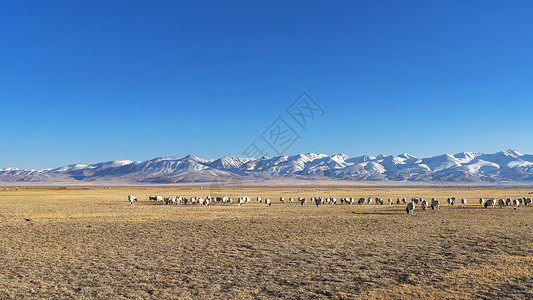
(89, 243)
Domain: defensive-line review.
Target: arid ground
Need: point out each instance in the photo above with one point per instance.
(89, 243)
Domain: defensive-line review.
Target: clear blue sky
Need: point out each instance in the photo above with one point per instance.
(91, 81)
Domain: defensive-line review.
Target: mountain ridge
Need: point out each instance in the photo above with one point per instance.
(465, 167)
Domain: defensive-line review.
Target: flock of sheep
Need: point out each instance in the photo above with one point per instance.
(410, 206)
(9, 189)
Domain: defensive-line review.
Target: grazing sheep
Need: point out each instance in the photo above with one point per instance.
(404, 200)
(491, 202)
(302, 201)
(390, 201)
(268, 202)
(424, 204)
(463, 202)
(410, 207)
(291, 200)
(369, 200)
(132, 198)
(481, 201)
(398, 201)
(155, 198)
(281, 199)
(451, 201)
(259, 199)
(434, 203)
(168, 200)
(527, 201)
(517, 202)
(508, 201)
(318, 201)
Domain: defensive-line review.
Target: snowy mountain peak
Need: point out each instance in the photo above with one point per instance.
(512, 153)
(158, 159)
(10, 169)
(118, 163)
(228, 162)
(466, 157)
(340, 156)
(407, 156)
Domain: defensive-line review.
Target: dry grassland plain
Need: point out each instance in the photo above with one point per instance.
(89, 243)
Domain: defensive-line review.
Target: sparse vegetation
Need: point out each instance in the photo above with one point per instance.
(76, 243)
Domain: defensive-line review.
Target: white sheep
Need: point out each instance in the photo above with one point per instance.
(517, 202)
(451, 201)
(434, 203)
(410, 207)
(424, 204)
(501, 203)
(463, 202)
(491, 202)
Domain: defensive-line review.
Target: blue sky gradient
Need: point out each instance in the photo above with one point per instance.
(91, 81)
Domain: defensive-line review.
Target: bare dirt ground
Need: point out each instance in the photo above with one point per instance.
(89, 243)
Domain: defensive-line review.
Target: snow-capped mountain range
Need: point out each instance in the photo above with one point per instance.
(469, 167)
